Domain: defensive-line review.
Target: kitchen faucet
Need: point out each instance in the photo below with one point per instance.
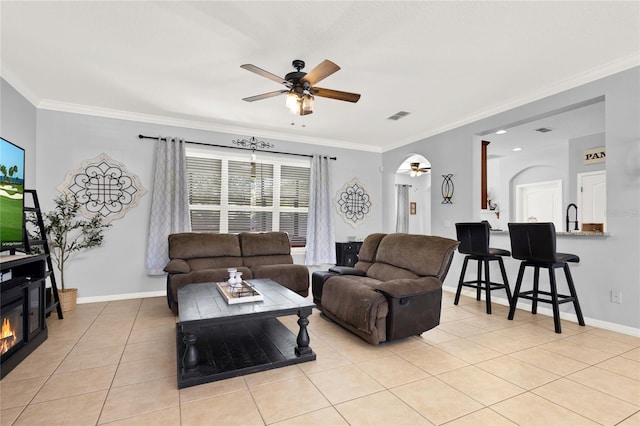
(575, 222)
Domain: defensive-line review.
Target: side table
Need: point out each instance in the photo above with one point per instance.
(347, 253)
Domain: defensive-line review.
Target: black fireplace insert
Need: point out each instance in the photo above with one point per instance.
(22, 309)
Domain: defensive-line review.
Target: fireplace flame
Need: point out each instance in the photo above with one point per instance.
(7, 335)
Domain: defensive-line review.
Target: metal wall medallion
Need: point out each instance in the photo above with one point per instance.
(103, 186)
(353, 202)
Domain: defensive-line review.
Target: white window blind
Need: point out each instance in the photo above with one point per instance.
(228, 193)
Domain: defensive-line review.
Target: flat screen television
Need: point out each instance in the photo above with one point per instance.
(11, 195)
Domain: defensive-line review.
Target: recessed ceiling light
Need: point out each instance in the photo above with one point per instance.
(516, 149)
(501, 132)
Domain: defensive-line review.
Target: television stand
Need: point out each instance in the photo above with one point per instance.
(22, 308)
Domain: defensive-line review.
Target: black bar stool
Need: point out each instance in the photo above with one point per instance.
(474, 242)
(535, 245)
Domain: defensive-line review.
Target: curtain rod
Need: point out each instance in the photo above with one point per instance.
(233, 147)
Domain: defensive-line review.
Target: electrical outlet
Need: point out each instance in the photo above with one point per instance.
(616, 296)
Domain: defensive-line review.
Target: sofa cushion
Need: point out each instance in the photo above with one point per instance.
(278, 259)
(406, 287)
(384, 272)
(264, 243)
(367, 252)
(294, 277)
(223, 262)
(189, 245)
(422, 255)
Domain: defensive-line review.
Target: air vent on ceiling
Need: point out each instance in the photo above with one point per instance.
(543, 129)
(398, 115)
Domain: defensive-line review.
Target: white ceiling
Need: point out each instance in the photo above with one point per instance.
(447, 63)
(563, 126)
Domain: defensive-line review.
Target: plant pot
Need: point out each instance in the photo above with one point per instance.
(68, 299)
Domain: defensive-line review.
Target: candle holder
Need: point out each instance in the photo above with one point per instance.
(447, 189)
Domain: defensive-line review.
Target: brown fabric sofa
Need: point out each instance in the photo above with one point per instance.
(393, 291)
(204, 257)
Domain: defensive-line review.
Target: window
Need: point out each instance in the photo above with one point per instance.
(228, 193)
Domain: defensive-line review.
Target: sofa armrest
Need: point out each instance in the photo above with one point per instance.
(347, 270)
(414, 306)
(177, 266)
(405, 287)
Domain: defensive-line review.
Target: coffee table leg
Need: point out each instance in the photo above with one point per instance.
(303, 336)
(190, 358)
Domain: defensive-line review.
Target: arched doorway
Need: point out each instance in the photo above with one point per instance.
(415, 174)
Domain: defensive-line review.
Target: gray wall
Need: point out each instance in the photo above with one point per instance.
(64, 140)
(59, 142)
(18, 125)
(607, 264)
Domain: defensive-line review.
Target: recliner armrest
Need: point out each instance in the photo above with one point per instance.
(405, 287)
(177, 266)
(347, 270)
(414, 306)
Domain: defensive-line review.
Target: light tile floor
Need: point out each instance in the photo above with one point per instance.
(115, 363)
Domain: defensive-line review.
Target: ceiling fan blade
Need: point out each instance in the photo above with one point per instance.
(267, 74)
(264, 96)
(336, 94)
(320, 72)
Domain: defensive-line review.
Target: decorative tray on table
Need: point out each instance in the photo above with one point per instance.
(239, 293)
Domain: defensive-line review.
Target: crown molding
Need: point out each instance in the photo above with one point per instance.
(602, 71)
(14, 81)
(53, 105)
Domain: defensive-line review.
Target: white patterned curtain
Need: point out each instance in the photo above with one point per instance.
(169, 202)
(402, 214)
(321, 247)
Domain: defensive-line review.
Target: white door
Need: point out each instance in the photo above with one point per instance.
(540, 202)
(592, 197)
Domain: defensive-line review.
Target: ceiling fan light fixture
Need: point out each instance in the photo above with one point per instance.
(292, 102)
(307, 103)
(300, 92)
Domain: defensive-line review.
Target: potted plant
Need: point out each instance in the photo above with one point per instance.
(69, 233)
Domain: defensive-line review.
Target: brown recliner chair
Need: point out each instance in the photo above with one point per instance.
(393, 292)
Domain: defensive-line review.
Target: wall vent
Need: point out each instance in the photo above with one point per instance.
(543, 129)
(398, 115)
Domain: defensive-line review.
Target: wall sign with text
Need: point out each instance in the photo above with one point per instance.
(594, 155)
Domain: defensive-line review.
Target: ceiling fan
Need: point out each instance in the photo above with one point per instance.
(300, 86)
(416, 170)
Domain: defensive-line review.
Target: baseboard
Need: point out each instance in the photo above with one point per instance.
(113, 297)
(618, 328)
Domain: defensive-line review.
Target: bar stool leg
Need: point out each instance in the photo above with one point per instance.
(505, 280)
(574, 295)
(516, 292)
(554, 300)
(487, 285)
(461, 280)
(479, 279)
(534, 301)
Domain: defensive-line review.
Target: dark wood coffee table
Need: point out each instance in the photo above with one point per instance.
(215, 340)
